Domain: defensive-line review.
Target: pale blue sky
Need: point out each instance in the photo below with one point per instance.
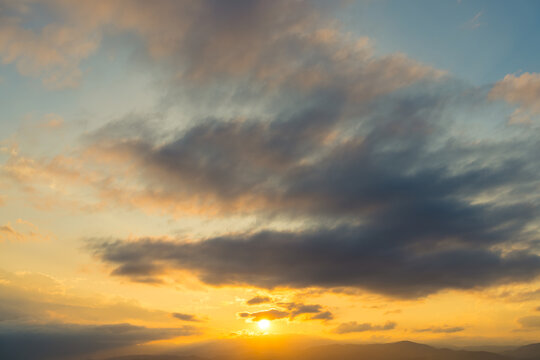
(446, 34)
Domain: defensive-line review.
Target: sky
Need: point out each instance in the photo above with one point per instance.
(174, 172)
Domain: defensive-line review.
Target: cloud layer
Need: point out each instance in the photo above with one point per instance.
(299, 121)
(54, 341)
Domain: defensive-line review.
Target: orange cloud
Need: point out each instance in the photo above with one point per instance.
(523, 91)
(32, 233)
(52, 53)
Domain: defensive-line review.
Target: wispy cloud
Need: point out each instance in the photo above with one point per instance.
(475, 22)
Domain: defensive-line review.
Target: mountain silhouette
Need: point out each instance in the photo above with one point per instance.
(531, 351)
(403, 350)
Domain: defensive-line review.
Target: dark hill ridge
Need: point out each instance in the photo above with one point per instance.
(155, 357)
(404, 350)
(531, 351)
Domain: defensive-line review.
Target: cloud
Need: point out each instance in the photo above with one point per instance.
(272, 314)
(441, 330)
(39, 298)
(530, 321)
(259, 300)
(30, 232)
(185, 317)
(411, 198)
(324, 315)
(290, 310)
(353, 326)
(394, 195)
(32, 306)
(474, 23)
(53, 340)
(522, 91)
(315, 311)
(343, 256)
(258, 40)
(52, 52)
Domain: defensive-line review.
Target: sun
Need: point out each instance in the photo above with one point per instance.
(264, 324)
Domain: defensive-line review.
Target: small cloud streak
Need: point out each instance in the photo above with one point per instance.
(353, 326)
(257, 300)
(441, 330)
(272, 314)
(30, 232)
(290, 311)
(474, 23)
(186, 317)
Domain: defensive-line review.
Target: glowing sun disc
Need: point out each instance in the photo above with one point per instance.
(264, 324)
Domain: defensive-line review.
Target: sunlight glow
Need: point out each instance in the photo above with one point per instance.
(264, 324)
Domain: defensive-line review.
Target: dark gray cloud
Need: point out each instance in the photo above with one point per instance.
(300, 309)
(58, 341)
(259, 300)
(324, 315)
(419, 205)
(353, 326)
(443, 330)
(185, 317)
(272, 314)
(401, 265)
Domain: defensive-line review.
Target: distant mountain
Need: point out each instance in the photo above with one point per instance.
(531, 351)
(155, 357)
(498, 349)
(404, 350)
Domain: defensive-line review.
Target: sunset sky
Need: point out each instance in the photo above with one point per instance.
(177, 171)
